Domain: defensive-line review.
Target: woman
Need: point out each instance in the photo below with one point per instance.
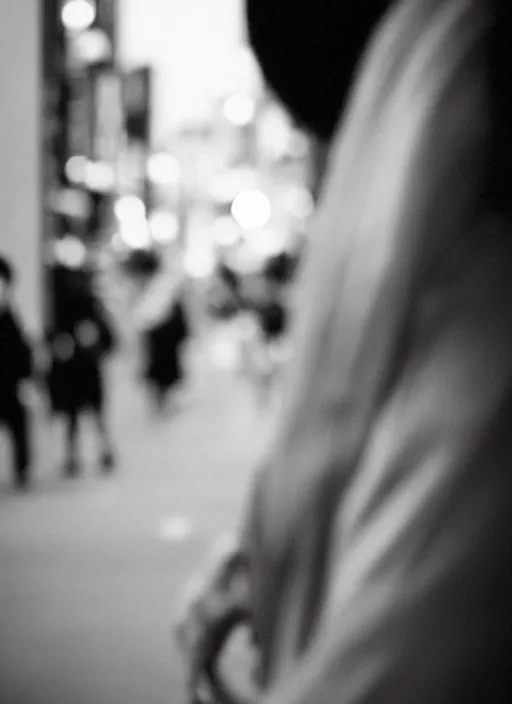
(79, 341)
(378, 534)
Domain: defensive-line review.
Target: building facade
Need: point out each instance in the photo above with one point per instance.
(20, 147)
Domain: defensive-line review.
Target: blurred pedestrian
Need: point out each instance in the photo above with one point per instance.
(15, 369)
(224, 294)
(80, 340)
(379, 535)
(165, 328)
(265, 317)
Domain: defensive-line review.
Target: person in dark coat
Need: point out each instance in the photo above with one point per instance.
(15, 367)
(163, 344)
(162, 320)
(271, 311)
(80, 339)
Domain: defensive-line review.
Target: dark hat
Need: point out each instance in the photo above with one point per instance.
(308, 51)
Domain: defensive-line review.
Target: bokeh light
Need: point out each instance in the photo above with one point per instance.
(78, 15)
(92, 46)
(299, 202)
(251, 209)
(244, 259)
(100, 177)
(117, 242)
(239, 109)
(266, 242)
(129, 208)
(163, 169)
(275, 133)
(75, 169)
(133, 226)
(224, 352)
(164, 226)
(71, 252)
(72, 202)
(225, 231)
(199, 263)
(224, 187)
(135, 234)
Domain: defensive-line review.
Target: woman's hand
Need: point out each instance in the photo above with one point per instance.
(214, 604)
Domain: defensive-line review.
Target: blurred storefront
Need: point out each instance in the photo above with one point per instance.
(97, 130)
(164, 144)
(238, 168)
(86, 115)
(157, 132)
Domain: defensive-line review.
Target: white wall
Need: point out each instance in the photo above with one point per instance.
(20, 172)
(187, 42)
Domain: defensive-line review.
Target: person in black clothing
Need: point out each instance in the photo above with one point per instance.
(272, 317)
(15, 367)
(80, 339)
(163, 343)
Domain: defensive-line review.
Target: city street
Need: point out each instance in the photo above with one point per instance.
(90, 569)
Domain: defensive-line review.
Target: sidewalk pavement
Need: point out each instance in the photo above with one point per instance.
(91, 568)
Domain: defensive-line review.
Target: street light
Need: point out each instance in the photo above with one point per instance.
(78, 15)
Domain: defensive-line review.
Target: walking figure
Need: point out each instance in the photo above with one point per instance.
(80, 340)
(15, 368)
